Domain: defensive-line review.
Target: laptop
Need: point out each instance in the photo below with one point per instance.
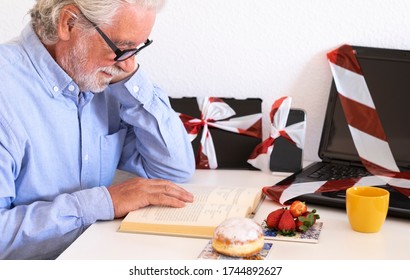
(387, 74)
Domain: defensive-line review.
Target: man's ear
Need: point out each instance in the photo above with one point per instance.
(68, 17)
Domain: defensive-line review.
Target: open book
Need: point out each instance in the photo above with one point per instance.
(211, 206)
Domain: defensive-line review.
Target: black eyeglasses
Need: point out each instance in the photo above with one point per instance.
(120, 55)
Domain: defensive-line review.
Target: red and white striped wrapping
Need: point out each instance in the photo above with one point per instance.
(367, 132)
(295, 133)
(216, 113)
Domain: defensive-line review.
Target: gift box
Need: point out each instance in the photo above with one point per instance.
(223, 131)
(286, 155)
(282, 149)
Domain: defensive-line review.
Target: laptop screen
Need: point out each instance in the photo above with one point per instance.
(387, 74)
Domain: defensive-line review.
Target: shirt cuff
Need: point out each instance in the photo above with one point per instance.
(95, 204)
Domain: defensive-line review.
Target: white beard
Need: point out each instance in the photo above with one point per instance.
(74, 62)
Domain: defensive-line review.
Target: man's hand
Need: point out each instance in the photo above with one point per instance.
(128, 68)
(140, 192)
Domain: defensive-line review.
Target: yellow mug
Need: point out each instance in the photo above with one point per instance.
(366, 208)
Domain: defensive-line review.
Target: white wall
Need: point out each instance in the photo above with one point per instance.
(256, 48)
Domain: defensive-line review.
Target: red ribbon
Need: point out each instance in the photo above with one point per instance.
(216, 113)
(367, 133)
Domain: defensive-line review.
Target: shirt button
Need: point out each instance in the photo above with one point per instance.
(136, 88)
(55, 88)
(71, 88)
(86, 157)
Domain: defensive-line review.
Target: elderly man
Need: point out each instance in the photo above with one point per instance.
(74, 106)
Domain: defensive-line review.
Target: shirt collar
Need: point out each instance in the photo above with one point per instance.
(53, 75)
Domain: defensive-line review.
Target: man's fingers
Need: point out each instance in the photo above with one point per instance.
(165, 200)
(178, 192)
(169, 194)
(170, 189)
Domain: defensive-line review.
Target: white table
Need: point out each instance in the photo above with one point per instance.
(337, 241)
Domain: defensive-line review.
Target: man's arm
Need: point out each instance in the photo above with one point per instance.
(157, 144)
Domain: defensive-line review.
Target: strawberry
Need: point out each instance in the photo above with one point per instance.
(273, 218)
(308, 219)
(287, 224)
(297, 208)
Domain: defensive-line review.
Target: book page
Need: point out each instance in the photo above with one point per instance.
(211, 206)
(225, 195)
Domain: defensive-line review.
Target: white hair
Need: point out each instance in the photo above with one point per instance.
(45, 13)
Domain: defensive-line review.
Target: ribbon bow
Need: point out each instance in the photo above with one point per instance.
(295, 133)
(216, 113)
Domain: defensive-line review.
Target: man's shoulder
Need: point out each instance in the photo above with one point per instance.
(11, 53)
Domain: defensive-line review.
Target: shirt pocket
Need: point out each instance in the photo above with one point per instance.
(111, 149)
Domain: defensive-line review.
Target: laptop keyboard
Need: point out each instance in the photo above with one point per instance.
(399, 203)
(338, 171)
(334, 171)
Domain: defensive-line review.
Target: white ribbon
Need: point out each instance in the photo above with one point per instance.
(214, 114)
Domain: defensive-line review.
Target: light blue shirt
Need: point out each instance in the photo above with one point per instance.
(59, 148)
